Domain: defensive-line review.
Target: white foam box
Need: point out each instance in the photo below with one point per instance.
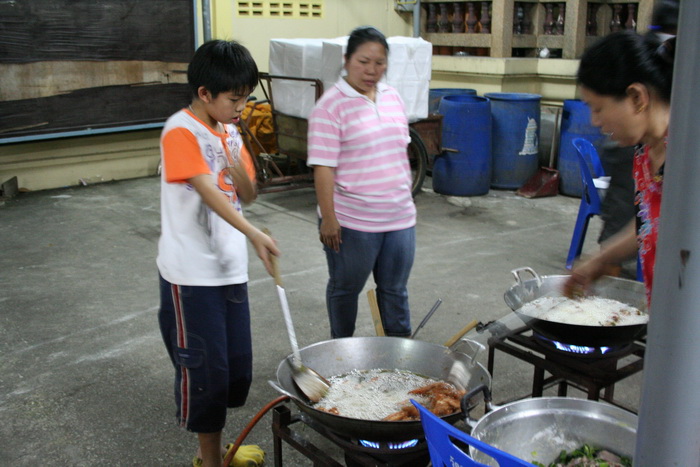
(300, 58)
(332, 60)
(409, 69)
(409, 57)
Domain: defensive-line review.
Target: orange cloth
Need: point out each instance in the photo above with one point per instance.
(261, 125)
(189, 161)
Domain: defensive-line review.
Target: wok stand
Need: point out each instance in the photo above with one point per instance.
(590, 375)
(284, 424)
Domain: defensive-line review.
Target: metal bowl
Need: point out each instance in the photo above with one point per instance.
(539, 429)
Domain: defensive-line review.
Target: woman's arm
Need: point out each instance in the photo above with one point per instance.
(618, 248)
(219, 203)
(324, 181)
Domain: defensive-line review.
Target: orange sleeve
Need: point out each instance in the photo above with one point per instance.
(182, 157)
(248, 163)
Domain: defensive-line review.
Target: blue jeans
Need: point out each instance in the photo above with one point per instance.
(389, 257)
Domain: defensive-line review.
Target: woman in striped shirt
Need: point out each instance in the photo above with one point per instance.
(358, 135)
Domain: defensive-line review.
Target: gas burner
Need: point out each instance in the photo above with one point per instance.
(357, 453)
(411, 452)
(580, 350)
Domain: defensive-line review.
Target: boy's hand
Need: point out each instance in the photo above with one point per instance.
(265, 246)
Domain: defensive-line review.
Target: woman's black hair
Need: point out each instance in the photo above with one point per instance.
(665, 16)
(222, 66)
(364, 34)
(619, 59)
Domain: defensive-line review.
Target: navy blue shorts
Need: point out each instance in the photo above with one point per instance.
(206, 331)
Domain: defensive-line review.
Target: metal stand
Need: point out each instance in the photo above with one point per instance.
(282, 430)
(281, 421)
(590, 375)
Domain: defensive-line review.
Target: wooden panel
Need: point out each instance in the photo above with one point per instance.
(292, 135)
(38, 30)
(92, 108)
(76, 65)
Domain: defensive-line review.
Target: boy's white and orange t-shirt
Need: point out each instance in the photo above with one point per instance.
(196, 246)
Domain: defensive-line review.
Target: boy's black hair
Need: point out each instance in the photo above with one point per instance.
(364, 34)
(222, 66)
(622, 58)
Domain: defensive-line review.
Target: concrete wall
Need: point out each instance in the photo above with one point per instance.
(91, 159)
(339, 18)
(553, 79)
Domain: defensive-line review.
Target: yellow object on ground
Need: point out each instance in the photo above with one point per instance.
(249, 455)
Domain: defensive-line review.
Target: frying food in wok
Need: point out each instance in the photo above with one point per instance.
(381, 394)
(443, 399)
(588, 311)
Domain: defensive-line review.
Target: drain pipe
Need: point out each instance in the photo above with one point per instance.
(414, 7)
(416, 19)
(669, 425)
(206, 19)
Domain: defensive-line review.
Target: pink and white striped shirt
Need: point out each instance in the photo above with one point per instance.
(366, 143)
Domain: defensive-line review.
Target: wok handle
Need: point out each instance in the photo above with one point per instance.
(467, 408)
(427, 317)
(451, 341)
(376, 315)
(516, 273)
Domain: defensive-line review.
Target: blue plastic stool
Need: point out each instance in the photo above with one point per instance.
(590, 199)
(443, 451)
(640, 275)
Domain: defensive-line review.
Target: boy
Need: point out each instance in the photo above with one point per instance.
(202, 257)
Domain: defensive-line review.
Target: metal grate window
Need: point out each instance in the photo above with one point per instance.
(280, 9)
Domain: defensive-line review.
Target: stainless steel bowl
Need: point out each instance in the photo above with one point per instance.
(539, 429)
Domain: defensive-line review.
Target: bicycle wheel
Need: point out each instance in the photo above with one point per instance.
(418, 159)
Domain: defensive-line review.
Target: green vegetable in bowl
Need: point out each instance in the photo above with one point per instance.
(588, 456)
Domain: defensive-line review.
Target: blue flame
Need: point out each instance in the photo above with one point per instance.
(398, 445)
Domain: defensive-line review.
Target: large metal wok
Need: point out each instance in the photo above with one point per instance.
(340, 356)
(624, 290)
(539, 429)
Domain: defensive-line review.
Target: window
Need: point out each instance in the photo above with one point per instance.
(280, 8)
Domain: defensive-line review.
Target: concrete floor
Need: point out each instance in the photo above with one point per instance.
(84, 377)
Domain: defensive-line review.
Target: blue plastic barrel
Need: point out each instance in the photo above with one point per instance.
(464, 168)
(575, 123)
(434, 96)
(516, 134)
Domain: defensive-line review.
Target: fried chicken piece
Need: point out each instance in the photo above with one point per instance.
(333, 410)
(430, 389)
(445, 406)
(443, 399)
(407, 412)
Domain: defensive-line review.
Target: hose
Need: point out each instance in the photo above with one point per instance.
(232, 452)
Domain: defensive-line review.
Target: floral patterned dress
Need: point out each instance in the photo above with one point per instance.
(647, 202)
